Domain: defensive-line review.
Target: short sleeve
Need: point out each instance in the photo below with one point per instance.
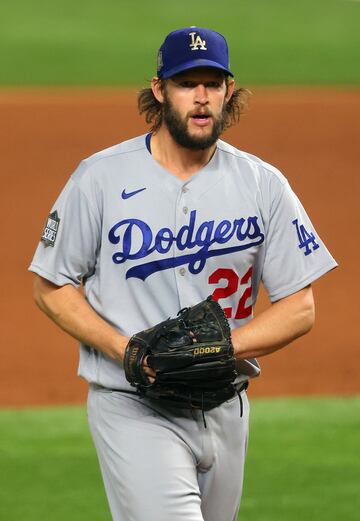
(70, 240)
(295, 255)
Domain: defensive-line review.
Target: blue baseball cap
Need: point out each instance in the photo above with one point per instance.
(192, 47)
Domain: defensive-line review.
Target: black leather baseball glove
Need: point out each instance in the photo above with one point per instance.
(192, 356)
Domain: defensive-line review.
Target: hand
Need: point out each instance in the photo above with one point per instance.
(150, 373)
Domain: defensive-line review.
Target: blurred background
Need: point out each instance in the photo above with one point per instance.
(69, 75)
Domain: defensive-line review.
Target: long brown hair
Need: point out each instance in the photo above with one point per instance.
(152, 108)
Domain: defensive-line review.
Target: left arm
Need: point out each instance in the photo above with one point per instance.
(277, 326)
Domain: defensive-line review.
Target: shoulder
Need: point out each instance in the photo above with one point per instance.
(130, 146)
(112, 156)
(255, 166)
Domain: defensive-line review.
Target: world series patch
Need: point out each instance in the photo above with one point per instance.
(51, 228)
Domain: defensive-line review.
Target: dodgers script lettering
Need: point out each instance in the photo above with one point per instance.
(195, 238)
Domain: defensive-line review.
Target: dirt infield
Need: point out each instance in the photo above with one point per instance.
(309, 135)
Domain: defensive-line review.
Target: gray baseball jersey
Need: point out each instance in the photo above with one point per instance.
(146, 244)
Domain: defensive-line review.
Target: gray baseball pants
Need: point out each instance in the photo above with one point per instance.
(161, 463)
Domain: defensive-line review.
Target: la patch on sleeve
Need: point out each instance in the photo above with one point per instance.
(307, 240)
(51, 228)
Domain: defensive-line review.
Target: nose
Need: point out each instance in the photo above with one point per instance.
(201, 95)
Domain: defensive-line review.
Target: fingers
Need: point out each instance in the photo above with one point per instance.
(150, 373)
(193, 337)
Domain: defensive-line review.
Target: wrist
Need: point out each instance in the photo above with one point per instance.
(122, 347)
(118, 347)
(236, 342)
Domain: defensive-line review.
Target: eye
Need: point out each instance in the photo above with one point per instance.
(187, 84)
(213, 85)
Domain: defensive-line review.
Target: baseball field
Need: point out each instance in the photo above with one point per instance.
(69, 74)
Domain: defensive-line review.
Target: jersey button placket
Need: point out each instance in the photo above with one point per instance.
(184, 191)
(182, 219)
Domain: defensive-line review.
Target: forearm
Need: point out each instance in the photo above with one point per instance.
(276, 327)
(67, 307)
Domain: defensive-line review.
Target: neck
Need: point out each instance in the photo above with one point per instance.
(181, 162)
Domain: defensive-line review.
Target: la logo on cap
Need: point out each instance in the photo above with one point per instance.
(197, 43)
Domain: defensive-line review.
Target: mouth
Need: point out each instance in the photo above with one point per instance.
(201, 120)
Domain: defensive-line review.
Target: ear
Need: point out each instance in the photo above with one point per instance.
(157, 88)
(230, 89)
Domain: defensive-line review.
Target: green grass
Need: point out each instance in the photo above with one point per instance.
(114, 42)
(49, 468)
(303, 463)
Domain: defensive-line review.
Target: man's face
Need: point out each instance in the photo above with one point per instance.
(194, 107)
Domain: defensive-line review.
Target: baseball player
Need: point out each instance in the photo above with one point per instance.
(156, 224)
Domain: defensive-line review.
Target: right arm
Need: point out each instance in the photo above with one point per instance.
(67, 307)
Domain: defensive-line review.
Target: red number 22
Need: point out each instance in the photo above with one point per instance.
(233, 280)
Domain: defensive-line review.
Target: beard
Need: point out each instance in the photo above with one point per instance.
(177, 127)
